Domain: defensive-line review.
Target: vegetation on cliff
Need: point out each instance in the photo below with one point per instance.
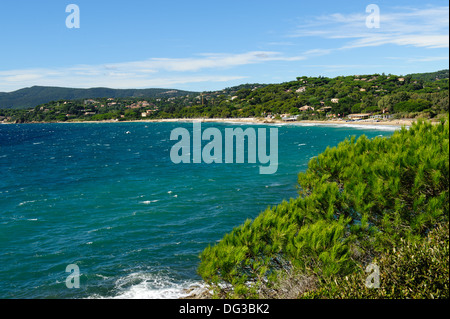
(383, 201)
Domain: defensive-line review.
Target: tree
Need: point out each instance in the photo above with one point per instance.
(356, 201)
(412, 106)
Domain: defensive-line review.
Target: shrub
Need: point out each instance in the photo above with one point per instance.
(357, 201)
(412, 269)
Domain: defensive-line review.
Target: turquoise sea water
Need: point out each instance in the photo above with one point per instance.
(107, 198)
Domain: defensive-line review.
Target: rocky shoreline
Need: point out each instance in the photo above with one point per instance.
(196, 292)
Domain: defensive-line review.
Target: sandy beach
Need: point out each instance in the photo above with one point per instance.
(253, 120)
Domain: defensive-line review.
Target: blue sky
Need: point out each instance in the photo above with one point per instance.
(209, 45)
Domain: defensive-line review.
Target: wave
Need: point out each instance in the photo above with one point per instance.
(99, 229)
(274, 185)
(13, 219)
(142, 285)
(26, 202)
(148, 202)
(389, 128)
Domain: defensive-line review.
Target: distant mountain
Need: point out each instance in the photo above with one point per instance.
(36, 95)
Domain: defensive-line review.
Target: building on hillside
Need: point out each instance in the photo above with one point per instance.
(90, 101)
(324, 109)
(359, 116)
(289, 118)
(147, 113)
(306, 108)
(381, 116)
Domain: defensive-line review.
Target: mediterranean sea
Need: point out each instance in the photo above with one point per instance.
(107, 198)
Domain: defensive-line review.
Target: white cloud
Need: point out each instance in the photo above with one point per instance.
(425, 28)
(317, 52)
(22, 77)
(66, 78)
(204, 61)
(423, 41)
(420, 59)
(154, 72)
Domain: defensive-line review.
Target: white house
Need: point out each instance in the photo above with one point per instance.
(306, 108)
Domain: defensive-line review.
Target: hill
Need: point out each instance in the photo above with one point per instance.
(306, 98)
(36, 95)
(431, 76)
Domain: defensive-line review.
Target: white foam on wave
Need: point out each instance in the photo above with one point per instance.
(378, 127)
(148, 202)
(374, 127)
(153, 286)
(26, 202)
(99, 229)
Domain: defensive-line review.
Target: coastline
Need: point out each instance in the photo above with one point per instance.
(252, 120)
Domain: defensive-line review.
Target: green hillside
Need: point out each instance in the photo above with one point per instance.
(306, 98)
(431, 76)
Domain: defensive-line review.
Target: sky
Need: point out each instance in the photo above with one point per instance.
(201, 45)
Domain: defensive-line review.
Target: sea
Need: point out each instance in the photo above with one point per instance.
(100, 210)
